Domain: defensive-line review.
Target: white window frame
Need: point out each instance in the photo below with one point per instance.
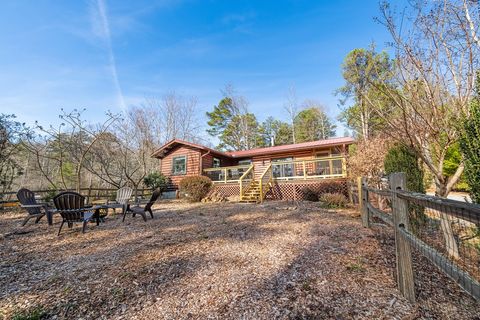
(173, 166)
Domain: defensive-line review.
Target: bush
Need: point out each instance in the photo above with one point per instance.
(401, 158)
(334, 200)
(470, 145)
(309, 194)
(333, 187)
(155, 180)
(51, 193)
(195, 188)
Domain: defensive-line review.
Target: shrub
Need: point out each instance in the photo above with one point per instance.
(155, 180)
(401, 158)
(195, 188)
(333, 187)
(51, 193)
(461, 186)
(334, 200)
(309, 194)
(470, 145)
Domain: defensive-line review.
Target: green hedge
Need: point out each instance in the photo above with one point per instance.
(401, 158)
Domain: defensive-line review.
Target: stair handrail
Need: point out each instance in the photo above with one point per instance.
(242, 178)
(268, 173)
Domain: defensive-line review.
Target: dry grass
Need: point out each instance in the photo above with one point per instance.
(218, 261)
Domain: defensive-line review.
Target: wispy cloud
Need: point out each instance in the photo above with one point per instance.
(101, 29)
(242, 23)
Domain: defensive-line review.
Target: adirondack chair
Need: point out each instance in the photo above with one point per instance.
(71, 206)
(123, 196)
(35, 210)
(137, 209)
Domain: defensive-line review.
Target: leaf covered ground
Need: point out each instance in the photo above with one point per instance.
(278, 260)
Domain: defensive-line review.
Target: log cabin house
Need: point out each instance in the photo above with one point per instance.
(279, 172)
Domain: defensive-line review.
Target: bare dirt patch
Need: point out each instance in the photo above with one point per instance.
(221, 261)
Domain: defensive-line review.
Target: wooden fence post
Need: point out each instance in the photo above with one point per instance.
(402, 246)
(359, 192)
(363, 201)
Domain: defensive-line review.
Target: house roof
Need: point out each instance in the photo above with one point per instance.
(163, 151)
(292, 147)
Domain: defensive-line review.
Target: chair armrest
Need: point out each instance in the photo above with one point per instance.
(32, 205)
(45, 204)
(75, 210)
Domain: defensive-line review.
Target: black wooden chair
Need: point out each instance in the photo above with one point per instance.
(35, 209)
(71, 206)
(137, 209)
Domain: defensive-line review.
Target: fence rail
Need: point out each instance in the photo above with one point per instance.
(9, 197)
(446, 232)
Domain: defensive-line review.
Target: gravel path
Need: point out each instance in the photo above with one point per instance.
(216, 261)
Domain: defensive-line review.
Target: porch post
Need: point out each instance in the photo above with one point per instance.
(225, 175)
(304, 170)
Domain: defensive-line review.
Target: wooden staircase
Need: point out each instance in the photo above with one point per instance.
(254, 191)
(252, 194)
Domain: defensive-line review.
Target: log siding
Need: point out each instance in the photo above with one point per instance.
(199, 158)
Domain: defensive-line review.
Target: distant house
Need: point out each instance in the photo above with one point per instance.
(277, 172)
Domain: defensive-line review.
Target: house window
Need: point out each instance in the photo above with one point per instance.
(245, 162)
(216, 163)
(179, 165)
(282, 167)
(322, 154)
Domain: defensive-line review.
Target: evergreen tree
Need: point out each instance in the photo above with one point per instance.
(470, 145)
(360, 69)
(276, 132)
(236, 129)
(233, 137)
(313, 124)
(220, 117)
(401, 158)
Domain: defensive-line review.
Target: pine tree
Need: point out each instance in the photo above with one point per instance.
(470, 145)
(313, 124)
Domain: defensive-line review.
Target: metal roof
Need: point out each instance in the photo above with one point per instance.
(292, 147)
(163, 151)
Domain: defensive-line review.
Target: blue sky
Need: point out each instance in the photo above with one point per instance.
(108, 55)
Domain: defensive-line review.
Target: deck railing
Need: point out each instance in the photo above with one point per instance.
(265, 181)
(322, 168)
(226, 174)
(246, 180)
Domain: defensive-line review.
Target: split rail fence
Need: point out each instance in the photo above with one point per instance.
(91, 194)
(446, 232)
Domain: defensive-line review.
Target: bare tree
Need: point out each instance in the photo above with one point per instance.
(68, 146)
(11, 134)
(172, 116)
(291, 106)
(436, 57)
(436, 61)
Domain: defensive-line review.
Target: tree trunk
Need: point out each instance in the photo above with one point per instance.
(451, 245)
